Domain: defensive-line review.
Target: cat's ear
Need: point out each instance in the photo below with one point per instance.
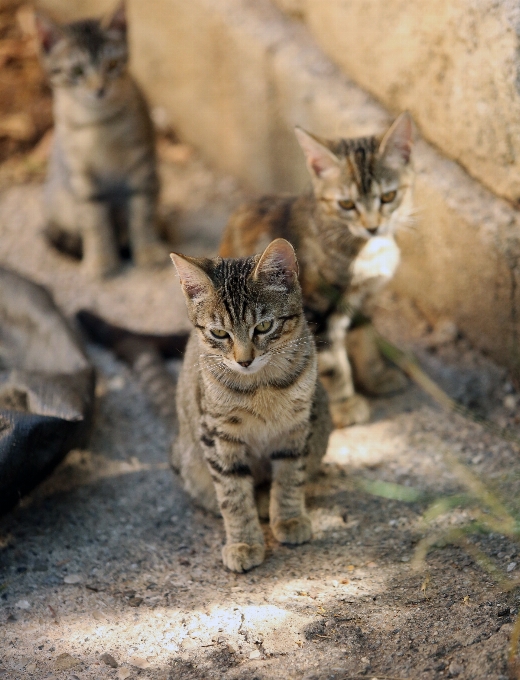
(277, 267)
(48, 32)
(396, 146)
(117, 20)
(321, 162)
(194, 280)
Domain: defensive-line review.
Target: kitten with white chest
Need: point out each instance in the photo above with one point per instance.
(343, 231)
(249, 407)
(102, 186)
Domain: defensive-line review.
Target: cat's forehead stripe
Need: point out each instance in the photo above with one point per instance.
(232, 277)
(88, 36)
(360, 155)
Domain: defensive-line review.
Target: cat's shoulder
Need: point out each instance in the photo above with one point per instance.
(256, 223)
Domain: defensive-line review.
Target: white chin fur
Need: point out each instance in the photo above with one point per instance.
(257, 364)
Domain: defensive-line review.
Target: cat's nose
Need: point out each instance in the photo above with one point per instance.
(100, 92)
(372, 230)
(245, 364)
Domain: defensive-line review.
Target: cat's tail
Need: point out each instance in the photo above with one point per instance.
(145, 353)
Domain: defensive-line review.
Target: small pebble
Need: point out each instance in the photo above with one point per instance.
(255, 654)
(511, 566)
(72, 579)
(510, 402)
(116, 383)
(23, 604)
(123, 674)
(66, 661)
(139, 662)
(454, 669)
(109, 660)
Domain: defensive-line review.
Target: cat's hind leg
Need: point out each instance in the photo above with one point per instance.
(147, 249)
(61, 229)
(346, 407)
(320, 428)
(371, 373)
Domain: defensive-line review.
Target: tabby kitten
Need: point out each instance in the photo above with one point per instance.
(246, 397)
(101, 189)
(343, 232)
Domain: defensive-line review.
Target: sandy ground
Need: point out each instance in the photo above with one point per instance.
(110, 557)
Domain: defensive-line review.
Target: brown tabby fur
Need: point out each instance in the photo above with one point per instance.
(346, 254)
(102, 186)
(249, 407)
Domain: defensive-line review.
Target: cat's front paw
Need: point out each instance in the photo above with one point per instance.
(151, 254)
(295, 530)
(352, 411)
(242, 556)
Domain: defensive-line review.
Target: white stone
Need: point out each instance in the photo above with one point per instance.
(23, 604)
(72, 579)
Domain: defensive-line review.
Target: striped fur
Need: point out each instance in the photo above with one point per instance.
(343, 232)
(102, 186)
(245, 401)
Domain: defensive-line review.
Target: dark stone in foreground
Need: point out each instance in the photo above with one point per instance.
(46, 387)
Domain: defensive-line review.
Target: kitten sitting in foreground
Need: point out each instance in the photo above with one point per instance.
(343, 232)
(249, 407)
(101, 189)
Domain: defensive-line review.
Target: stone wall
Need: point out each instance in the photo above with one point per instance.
(455, 64)
(235, 76)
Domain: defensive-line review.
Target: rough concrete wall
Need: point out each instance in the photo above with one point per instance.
(453, 63)
(236, 78)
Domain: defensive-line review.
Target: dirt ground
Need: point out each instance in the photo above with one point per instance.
(109, 571)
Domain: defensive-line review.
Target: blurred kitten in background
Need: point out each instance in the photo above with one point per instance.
(102, 186)
(343, 230)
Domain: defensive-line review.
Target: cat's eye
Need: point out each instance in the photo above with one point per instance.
(263, 327)
(388, 197)
(219, 333)
(77, 71)
(346, 204)
(112, 65)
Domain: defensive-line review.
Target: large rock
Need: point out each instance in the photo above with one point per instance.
(453, 63)
(46, 387)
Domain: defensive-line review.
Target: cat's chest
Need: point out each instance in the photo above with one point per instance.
(261, 420)
(378, 259)
(105, 151)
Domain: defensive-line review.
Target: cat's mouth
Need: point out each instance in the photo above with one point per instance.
(256, 365)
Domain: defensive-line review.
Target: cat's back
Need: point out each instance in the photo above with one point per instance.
(256, 223)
